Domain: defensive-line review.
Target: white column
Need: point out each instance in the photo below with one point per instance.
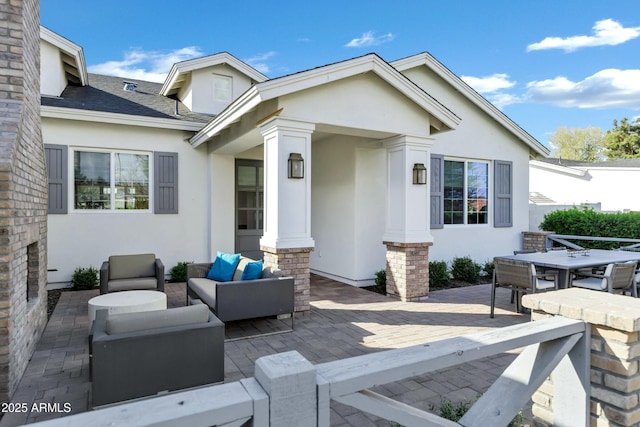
(407, 216)
(287, 206)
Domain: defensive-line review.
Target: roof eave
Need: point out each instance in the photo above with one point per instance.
(446, 74)
(71, 49)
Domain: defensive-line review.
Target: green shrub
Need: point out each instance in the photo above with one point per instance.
(454, 411)
(488, 268)
(587, 222)
(381, 281)
(438, 274)
(84, 278)
(464, 268)
(178, 273)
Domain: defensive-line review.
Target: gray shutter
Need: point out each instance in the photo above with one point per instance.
(165, 183)
(503, 193)
(436, 188)
(56, 158)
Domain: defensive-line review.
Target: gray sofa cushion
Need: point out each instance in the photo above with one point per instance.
(122, 323)
(128, 266)
(129, 284)
(205, 289)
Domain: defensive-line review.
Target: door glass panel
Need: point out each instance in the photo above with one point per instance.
(246, 220)
(260, 176)
(246, 199)
(246, 176)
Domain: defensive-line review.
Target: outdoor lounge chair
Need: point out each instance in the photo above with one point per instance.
(616, 278)
(520, 277)
(132, 272)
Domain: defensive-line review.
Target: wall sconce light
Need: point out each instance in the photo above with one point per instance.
(296, 166)
(419, 174)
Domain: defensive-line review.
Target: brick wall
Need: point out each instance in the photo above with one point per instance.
(408, 270)
(293, 262)
(23, 192)
(615, 353)
(535, 240)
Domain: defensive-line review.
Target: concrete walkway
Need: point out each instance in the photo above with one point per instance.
(343, 322)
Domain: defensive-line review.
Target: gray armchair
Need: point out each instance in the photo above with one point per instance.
(616, 278)
(141, 354)
(129, 272)
(520, 277)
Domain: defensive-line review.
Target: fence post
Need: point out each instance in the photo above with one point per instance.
(290, 381)
(614, 356)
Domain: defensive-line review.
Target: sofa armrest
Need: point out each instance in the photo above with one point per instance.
(198, 270)
(104, 278)
(159, 267)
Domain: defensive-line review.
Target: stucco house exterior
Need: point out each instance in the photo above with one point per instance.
(561, 184)
(201, 164)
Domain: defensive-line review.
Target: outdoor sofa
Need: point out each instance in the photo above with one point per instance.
(132, 272)
(236, 299)
(141, 354)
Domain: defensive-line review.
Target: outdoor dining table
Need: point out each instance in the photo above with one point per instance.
(568, 261)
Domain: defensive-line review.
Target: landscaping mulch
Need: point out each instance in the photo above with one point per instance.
(53, 296)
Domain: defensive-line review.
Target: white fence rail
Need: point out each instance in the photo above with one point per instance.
(289, 390)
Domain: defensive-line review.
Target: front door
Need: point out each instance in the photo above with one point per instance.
(249, 207)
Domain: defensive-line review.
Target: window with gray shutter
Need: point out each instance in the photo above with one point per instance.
(436, 186)
(165, 183)
(56, 158)
(503, 193)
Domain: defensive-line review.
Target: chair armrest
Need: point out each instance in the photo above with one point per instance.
(198, 270)
(159, 266)
(104, 278)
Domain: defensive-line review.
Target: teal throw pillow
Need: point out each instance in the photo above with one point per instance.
(253, 270)
(223, 267)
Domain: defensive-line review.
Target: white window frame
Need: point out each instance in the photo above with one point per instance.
(489, 200)
(222, 95)
(112, 183)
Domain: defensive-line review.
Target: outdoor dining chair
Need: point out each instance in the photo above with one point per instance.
(520, 277)
(617, 278)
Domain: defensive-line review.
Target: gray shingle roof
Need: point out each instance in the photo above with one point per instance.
(105, 93)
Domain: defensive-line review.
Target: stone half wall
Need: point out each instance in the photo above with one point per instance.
(23, 193)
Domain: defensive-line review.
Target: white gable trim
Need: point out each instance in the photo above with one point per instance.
(558, 168)
(425, 59)
(115, 118)
(179, 71)
(74, 63)
(318, 76)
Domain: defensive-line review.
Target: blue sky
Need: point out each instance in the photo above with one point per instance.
(544, 63)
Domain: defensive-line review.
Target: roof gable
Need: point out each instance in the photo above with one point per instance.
(71, 55)
(425, 59)
(181, 71)
(442, 118)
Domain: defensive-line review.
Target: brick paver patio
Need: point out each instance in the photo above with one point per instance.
(343, 322)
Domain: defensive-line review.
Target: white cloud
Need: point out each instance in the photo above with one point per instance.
(150, 66)
(610, 88)
(259, 61)
(489, 84)
(369, 39)
(606, 32)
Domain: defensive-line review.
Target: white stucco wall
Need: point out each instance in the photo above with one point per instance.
(84, 238)
(478, 137)
(197, 94)
(607, 186)
(347, 209)
(52, 77)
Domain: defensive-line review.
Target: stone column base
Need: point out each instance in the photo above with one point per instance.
(408, 270)
(293, 262)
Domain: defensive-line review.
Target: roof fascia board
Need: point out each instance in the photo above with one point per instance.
(73, 50)
(209, 61)
(446, 74)
(317, 76)
(558, 168)
(115, 118)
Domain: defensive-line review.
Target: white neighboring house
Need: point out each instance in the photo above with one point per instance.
(199, 164)
(560, 184)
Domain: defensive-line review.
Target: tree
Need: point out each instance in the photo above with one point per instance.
(578, 144)
(623, 141)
